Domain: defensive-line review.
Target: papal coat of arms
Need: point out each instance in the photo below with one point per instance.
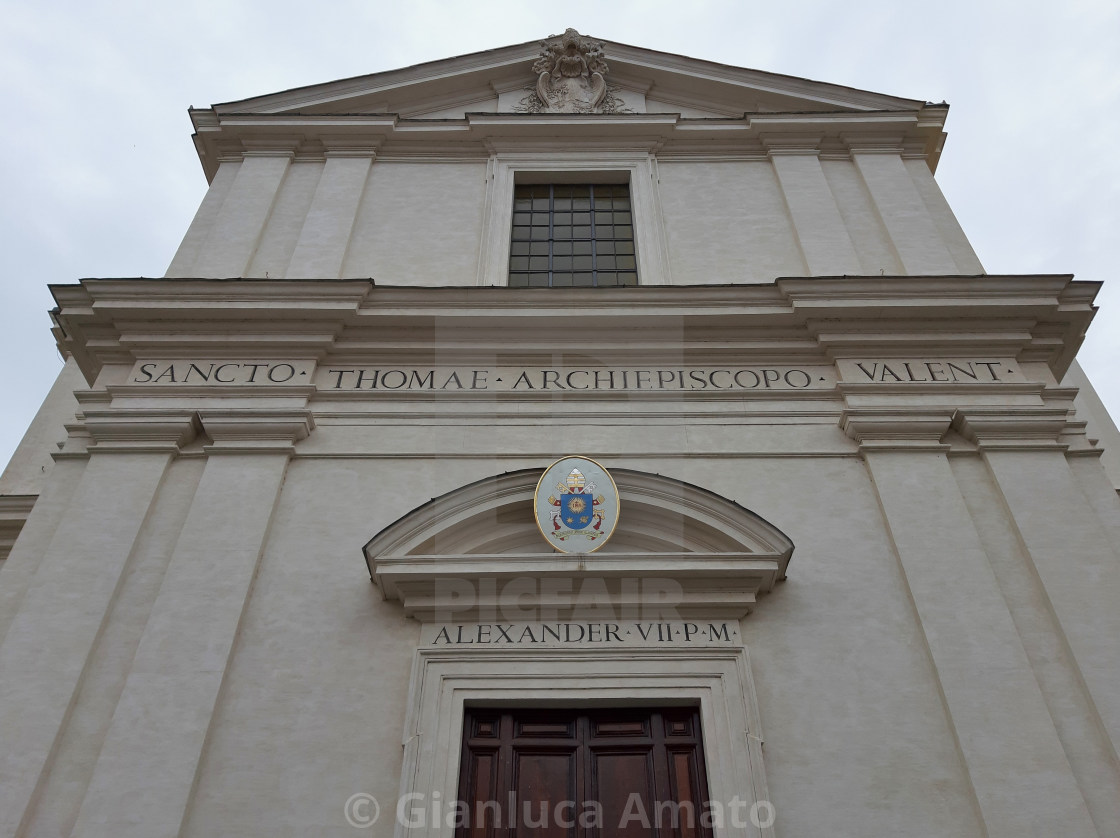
(576, 504)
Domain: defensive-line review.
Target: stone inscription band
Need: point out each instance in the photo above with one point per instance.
(581, 634)
(390, 379)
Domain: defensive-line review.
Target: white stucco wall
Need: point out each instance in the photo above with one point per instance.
(734, 220)
(313, 697)
(313, 702)
(726, 222)
(419, 224)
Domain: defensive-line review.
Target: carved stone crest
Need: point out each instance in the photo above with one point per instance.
(571, 77)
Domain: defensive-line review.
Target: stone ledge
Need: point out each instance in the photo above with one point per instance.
(546, 586)
(14, 511)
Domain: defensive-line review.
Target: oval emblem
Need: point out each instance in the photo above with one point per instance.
(576, 504)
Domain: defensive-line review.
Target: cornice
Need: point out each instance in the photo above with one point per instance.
(146, 430)
(1013, 428)
(900, 428)
(381, 84)
(255, 430)
(236, 394)
(1029, 318)
(1033, 317)
(921, 290)
(103, 321)
(14, 511)
(225, 136)
(715, 585)
(652, 67)
(252, 428)
(762, 81)
(909, 389)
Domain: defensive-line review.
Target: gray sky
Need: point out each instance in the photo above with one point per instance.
(101, 178)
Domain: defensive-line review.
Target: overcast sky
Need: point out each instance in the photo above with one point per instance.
(101, 178)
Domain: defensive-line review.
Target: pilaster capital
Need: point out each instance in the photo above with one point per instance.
(271, 146)
(783, 145)
(897, 429)
(859, 143)
(257, 431)
(14, 511)
(1013, 428)
(346, 146)
(139, 431)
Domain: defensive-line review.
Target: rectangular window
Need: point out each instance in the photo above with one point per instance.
(568, 235)
(583, 774)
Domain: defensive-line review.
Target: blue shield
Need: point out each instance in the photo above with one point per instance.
(576, 510)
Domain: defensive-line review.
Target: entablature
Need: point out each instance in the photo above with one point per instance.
(839, 350)
(1032, 319)
(230, 136)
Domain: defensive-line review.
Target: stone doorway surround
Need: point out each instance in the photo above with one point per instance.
(716, 679)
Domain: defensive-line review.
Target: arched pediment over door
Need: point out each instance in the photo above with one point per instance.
(678, 550)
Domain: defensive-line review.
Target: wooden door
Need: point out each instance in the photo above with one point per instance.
(554, 773)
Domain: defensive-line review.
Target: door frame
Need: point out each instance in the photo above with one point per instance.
(716, 679)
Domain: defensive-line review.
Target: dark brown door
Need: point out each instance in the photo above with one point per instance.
(610, 773)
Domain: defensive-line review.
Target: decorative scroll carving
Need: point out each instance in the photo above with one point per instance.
(571, 78)
(531, 103)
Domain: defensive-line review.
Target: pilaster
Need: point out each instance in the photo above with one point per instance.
(238, 225)
(145, 773)
(1023, 783)
(912, 230)
(74, 586)
(825, 243)
(322, 242)
(942, 214)
(1061, 532)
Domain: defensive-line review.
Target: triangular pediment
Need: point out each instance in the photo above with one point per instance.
(503, 80)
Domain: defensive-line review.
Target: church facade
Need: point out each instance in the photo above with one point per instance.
(308, 555)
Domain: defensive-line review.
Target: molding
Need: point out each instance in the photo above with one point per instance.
(1026, 318)
(254, 430)
(722, 81)
(255, 393)
(153, 430)
(649, 233)
(1014, 428)
(459, 554)
(881, 143)
(1076, 440)
(231, 136)
(791, 145)
(718, 680)
(625, 60)
(14, 512)
(897, 428)
(998, 390)
(76, 444)
(119, 321)
(643, 586)
(1002, 427)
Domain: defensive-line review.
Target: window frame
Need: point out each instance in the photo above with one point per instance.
(638, 169)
